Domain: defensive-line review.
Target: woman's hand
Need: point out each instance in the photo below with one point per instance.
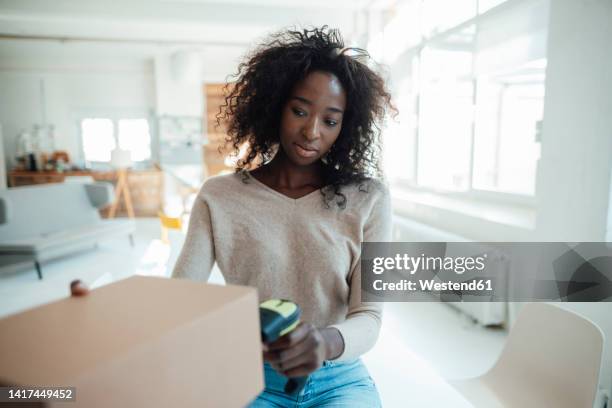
(302, 351)
(78, 288)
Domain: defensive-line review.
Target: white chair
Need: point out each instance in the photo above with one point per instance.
(552, 358)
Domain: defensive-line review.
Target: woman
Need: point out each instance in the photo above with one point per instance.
(310, 111)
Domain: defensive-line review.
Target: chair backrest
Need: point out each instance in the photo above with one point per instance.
(551, 353)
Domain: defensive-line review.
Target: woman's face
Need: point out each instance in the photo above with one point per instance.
(312, 117)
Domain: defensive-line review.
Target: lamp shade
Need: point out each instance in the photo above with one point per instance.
(121, 158)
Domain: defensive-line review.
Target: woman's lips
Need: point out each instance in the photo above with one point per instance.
(303, 152)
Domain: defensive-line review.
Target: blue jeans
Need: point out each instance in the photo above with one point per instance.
(333, 385)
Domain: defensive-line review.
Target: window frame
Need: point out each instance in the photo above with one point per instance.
(474, 194)
(115, 118)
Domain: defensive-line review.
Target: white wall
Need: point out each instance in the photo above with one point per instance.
(574, 177)
(88, 78)
(574, 174)
(71, 93)
(176, 96)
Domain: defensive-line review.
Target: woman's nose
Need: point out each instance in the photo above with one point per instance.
(312, 129)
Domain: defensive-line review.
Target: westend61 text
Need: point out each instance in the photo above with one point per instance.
(433, 286)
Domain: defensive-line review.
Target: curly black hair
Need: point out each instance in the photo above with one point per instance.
(264, 81)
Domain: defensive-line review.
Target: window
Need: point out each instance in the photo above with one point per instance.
(471, 97)
(101, 135)
(134, 136)
(98, 139)
(440, 15)
(445, 117)
(506, 146)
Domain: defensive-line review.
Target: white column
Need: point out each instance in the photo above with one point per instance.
(574, 180)
(574, 174)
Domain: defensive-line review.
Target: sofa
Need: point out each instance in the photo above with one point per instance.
(42, 222)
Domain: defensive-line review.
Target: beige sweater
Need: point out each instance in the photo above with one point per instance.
(295, 249)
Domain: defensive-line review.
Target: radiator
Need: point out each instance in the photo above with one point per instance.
(485, 313)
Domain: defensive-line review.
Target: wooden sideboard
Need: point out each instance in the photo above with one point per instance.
(146, 186)
(26, 178)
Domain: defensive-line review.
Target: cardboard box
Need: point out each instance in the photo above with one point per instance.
(140, 342)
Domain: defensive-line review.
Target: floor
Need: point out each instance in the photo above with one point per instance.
(421, 345)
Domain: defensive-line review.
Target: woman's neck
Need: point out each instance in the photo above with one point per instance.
(284, 174)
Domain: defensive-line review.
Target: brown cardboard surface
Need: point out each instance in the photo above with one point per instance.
(143, 341)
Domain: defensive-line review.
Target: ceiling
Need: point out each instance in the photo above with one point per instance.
(204, 21)
(86, 31)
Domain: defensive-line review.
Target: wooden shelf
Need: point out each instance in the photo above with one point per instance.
(215, 161)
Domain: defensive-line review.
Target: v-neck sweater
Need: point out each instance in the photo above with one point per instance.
(297, 249)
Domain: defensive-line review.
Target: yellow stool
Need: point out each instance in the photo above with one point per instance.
(168, 223)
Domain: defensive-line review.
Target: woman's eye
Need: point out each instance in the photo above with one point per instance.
(298, 112)
(331, 123)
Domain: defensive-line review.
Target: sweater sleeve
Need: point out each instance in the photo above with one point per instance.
(197, 257)
(363, 320)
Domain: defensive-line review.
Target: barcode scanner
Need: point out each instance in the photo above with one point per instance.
(279, 317)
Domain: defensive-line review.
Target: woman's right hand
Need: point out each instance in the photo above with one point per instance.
(78, 288)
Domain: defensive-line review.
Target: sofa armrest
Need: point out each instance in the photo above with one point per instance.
(4, 210)
(100, 194)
